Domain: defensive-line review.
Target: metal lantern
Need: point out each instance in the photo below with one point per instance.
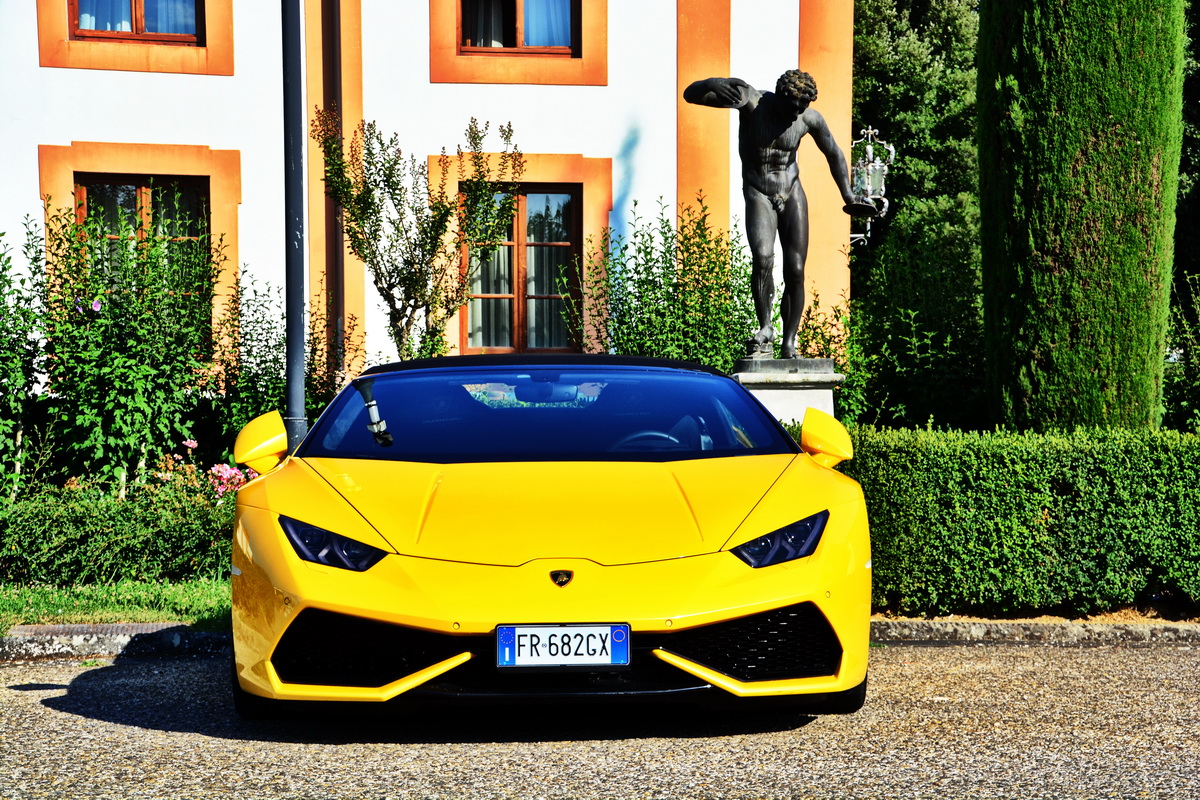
(868, 175)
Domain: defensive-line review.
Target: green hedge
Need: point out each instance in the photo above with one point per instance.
(65, 537)
(995, 524)
(1005, 523)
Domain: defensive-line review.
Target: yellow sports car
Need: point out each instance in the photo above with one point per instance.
(555, 527)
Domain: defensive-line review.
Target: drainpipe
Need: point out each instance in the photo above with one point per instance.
(293, 195)
(335, 248)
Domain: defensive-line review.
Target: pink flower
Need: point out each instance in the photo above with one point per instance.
(191, 444)
(225, 478)
(95, 305)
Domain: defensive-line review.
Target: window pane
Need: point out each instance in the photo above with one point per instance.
(178, 209)
(547, 327)
(111, 204)
(495, 275)
(491, 322)
(548, 23)
(489, 23)
(171, 16)
(548, 216)
(105, 15)
(547, 269)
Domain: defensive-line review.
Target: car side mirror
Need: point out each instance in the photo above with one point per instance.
(262, 444)
(825, 439)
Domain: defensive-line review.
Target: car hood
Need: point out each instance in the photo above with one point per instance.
(511, 513)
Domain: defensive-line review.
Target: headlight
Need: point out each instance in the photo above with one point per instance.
(326, 547)
(786, 544)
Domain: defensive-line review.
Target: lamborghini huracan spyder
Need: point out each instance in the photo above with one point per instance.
(556, 527)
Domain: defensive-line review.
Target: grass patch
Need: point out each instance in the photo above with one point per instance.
(203, 603)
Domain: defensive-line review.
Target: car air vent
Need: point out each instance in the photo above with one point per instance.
(786, 643)
(329, 649)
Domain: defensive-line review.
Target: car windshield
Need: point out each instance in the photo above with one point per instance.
(544, 414)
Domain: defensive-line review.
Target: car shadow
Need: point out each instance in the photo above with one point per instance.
(192, 694)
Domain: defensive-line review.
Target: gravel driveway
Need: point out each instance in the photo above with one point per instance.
(940, 722)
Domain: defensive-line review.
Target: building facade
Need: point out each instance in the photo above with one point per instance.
(104, 99)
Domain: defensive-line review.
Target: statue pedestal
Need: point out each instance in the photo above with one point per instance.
(789, 386)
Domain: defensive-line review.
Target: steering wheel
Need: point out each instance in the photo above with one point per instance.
(648, 437)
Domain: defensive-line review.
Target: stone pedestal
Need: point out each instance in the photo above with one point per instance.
(789, 386)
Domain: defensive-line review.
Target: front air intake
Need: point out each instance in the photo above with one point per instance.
(786, 643)
(328, 649)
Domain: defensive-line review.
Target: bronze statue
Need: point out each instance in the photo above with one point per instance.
(770, 127)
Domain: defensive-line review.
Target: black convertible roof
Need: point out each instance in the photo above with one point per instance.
(586, 360)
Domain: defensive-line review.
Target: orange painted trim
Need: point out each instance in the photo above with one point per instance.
(827, 51)
(56, 49)
(702, 134)
(595, 176)
(351, 67)
(446, 65)
(58, 164)
(355, 272)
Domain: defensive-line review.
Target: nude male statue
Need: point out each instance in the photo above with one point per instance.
(770, 127)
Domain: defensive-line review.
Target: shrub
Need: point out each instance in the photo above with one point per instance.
(175, 527)
(671, 290)
(836, 333)
(20, 361)
(128, 325)
(915, 284)
(1181, 372)
(1007, 523)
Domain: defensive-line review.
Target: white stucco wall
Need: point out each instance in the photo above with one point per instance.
(55, 106)
(631, 120)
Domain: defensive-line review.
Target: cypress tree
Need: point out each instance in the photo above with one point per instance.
(1079, 141)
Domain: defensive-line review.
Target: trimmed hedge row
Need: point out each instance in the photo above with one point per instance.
(995, 524)
(1006, 523)
(64, 537)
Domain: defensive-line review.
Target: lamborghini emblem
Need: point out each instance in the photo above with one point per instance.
(561, 577)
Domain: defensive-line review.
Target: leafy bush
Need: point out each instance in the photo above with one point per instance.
(836, 333)
(1006, 523)
(128, 326)
(175, 527)
(672, 290)
(916, 284)
(1181, 373)
(20, 361)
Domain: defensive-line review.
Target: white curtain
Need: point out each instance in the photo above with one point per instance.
(548, 23)
(487, 23)
(105, 15)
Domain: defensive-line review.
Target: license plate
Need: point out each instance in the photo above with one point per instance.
(562, 645)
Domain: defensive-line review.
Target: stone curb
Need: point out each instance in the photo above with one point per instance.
(886, 631)
(30, 642)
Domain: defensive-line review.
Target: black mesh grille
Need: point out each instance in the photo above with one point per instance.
(792, 642)
(321, 647)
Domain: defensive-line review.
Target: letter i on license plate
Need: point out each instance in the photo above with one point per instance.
(562, 645)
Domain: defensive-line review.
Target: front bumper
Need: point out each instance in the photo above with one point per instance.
(698, 624)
